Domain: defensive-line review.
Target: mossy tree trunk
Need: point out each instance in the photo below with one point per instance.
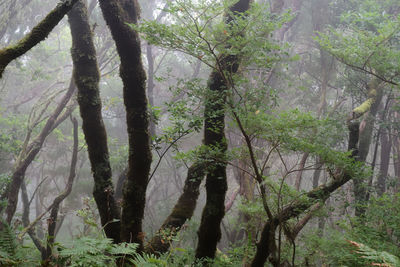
(117, 14)
(182, 211)
(209, 232)
(87, 77)
(370, 109)
(38, 34)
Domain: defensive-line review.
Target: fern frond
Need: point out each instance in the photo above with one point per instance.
(377, 258)
(7, 239)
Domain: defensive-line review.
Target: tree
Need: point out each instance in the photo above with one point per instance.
(117, 15)
(38, 34)
(87, 77)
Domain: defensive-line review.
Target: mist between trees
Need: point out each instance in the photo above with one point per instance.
(199, 133)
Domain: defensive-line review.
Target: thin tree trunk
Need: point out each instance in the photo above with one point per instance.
(117, 13)
(386, 144)
(150, 84)
(25, 221)
(266, 245)
(29, 154)
(396, 159)
(46, 253)
(52, 221)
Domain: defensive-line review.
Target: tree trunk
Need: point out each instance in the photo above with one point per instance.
(150, 84)
(209, 232)
(370, 107)
(86, 75)
(117, 13)
(52, 220)
(183, 211)
(386, 144)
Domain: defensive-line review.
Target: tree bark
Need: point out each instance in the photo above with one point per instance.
(183, 210)
(386, 145)
(209, 232)
(38, 34)
(370, 108)
(87, 77)
(117, 13)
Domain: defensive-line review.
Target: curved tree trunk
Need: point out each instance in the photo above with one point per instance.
(52, 220)
(209, 232)
(87, 77)
(183, 211)
(117, 13)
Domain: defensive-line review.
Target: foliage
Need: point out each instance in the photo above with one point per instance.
(12, 253)
(360, 241)
(96, 252)
(7, 242)
(198, 29)
(367, 41)
(374, 257)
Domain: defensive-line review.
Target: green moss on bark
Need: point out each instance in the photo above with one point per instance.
(87, 77)
(38, 34)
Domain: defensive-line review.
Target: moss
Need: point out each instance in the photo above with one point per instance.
(373, 88)
(86, 75)
(364, 107)
(38, 34)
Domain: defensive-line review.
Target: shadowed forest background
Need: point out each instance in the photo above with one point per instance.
(199, 133)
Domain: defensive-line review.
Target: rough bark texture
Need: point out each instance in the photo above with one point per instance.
(266, 246)
(319, 194)
(209, 232)
(370, 108)
(183, 210)
(38, 34)
(86, 75)
(117, 13)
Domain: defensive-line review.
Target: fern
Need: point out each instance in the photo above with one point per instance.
(376, 258)
(88, 251)
(149, 261)
(7, 242)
